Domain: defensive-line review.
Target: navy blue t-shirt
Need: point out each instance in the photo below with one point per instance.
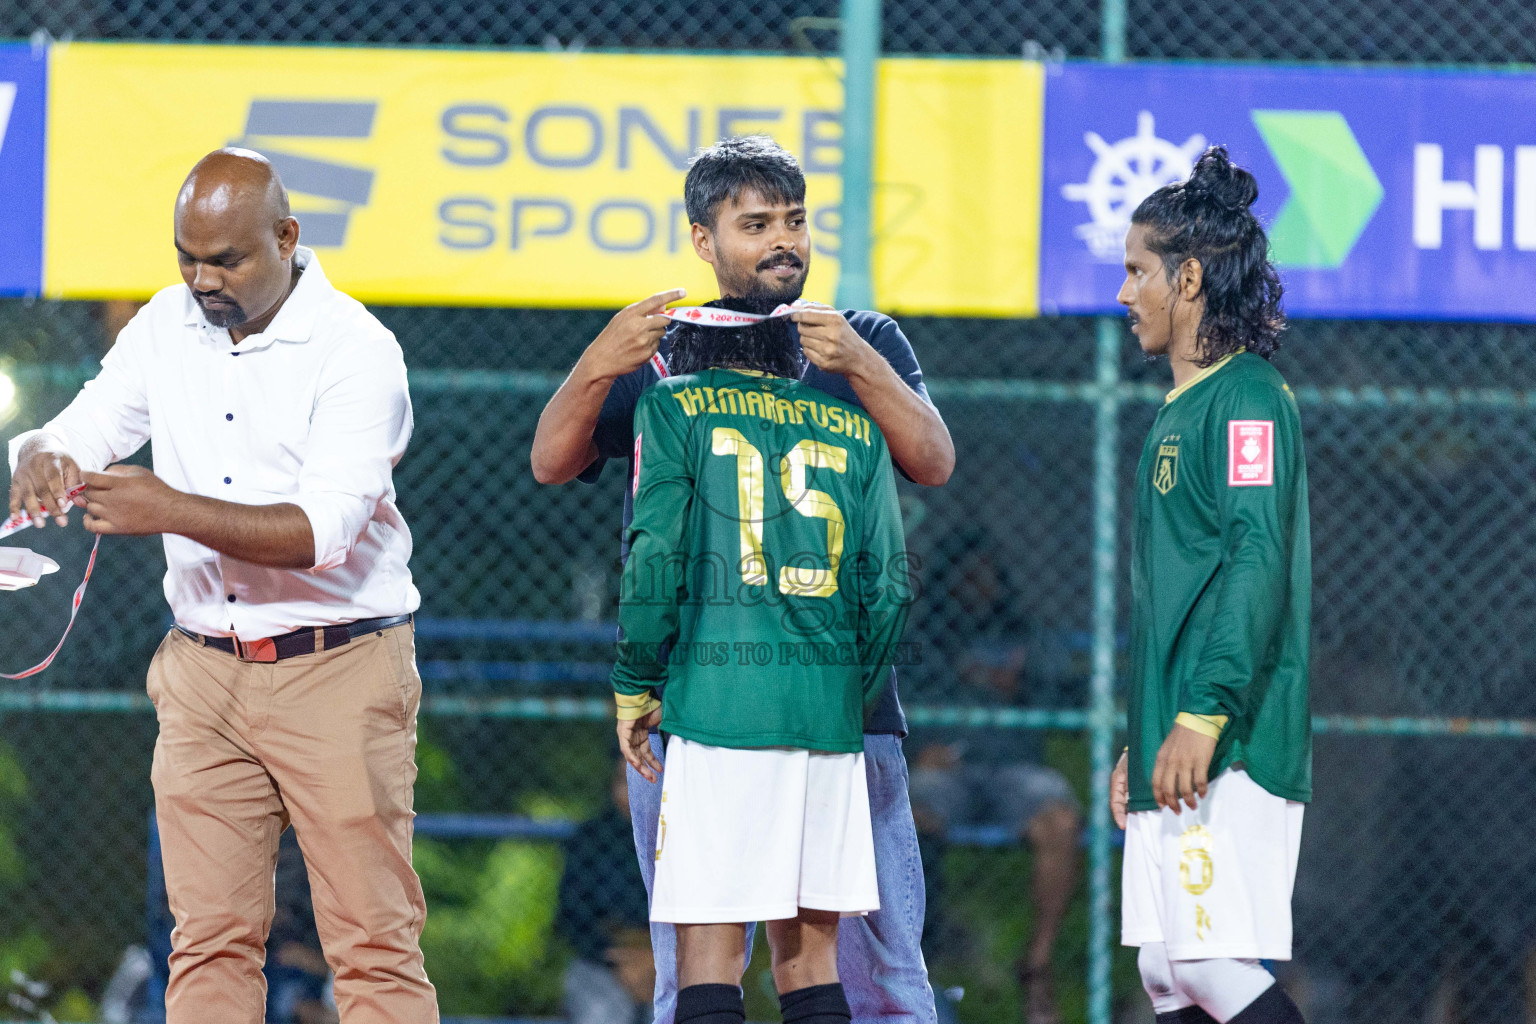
(615, 438)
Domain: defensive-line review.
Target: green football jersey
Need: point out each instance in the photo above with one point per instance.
(1221, 579)
(767, 584)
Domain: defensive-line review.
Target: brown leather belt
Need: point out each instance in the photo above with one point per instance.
(300, 641)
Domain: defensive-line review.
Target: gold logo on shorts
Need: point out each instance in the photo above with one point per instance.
(1166, 475)
(661, 828)
(1196, 872)
(1202, 922)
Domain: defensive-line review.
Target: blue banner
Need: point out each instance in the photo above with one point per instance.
(23, 83)
(1386, 193)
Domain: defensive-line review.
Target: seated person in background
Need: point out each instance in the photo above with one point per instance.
(604, 917)
(968, 776)
(760, 591)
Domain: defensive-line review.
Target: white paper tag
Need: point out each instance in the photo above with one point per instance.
(22, 567)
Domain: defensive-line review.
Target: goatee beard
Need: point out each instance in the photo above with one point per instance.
(759, 301)
(230, 316)
(754, 294)
(752, 286)
(791, 291)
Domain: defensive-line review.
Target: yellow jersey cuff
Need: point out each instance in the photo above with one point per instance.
(1205, 725)
(635, 705)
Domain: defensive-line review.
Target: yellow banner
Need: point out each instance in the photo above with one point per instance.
(531, 179)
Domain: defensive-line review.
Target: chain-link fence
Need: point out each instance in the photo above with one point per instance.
(1414, 891)
(1414, 32)
(1416, 885)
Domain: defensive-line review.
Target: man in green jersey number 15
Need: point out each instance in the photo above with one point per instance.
(765, 592)
(1212, 788)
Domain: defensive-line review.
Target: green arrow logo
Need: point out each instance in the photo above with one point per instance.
(1334, 192)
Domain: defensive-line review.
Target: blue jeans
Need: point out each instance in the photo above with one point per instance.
(879, 957)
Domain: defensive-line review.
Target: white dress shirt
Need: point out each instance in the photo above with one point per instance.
(313, 411)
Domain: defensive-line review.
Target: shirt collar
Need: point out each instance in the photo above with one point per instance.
(295, 321)
(747, 373)
(1202, 375)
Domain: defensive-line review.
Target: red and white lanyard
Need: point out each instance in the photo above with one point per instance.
(23, 519)
(714, 316)
(20, 521)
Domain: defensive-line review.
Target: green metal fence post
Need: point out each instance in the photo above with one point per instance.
(1105, 571)
(1101, 713)
(861, 53)
(1112, 31)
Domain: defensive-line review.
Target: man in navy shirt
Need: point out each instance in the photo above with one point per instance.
(746, 201)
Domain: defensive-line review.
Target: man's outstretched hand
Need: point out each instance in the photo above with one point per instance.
(130, 501)
(631, 337)
(45, 473)
(1120, 790)
(1183, 762)
(635, 744)
(830, 342)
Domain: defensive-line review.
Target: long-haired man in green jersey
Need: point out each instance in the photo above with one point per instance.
(1212, 788)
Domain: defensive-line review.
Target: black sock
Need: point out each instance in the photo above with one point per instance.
(1188, 1015)
(818, 1004)
(710, 1004)
(1272, 1007)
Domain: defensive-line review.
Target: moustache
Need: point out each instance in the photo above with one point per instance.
(786, 260)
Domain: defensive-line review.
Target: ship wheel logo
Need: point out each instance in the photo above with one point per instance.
(1123, 174)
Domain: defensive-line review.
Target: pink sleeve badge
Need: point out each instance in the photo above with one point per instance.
(1250, 453)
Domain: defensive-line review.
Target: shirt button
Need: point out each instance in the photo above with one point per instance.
(231, 598)
(228, 481)
(229, 416)
(235, 354)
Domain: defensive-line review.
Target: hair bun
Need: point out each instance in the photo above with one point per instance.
(1218, 179)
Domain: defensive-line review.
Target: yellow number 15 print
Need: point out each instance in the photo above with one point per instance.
(796, 581)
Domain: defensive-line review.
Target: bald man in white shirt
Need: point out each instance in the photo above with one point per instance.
(288, 691)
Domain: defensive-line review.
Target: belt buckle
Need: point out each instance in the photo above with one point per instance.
(259, 651)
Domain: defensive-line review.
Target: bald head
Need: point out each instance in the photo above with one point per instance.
(227, 180)
(235, 238)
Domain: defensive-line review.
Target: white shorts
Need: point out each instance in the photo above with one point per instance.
(1215, 881)
(754, 835)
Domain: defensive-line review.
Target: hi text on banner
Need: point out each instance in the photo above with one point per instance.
(1387, 193)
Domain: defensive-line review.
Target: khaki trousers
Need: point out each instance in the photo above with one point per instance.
(326, 741)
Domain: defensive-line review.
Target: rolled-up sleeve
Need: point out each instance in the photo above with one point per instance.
(109, 419)
(358, 433)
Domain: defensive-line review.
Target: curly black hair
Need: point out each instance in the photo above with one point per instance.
(769, 346)
(1208, 218)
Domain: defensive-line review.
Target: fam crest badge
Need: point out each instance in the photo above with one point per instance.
(1165, 473)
